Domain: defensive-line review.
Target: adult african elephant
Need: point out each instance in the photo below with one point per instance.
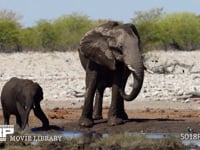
(18, 97)
(109, 54)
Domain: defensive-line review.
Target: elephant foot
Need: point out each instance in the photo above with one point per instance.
(97, 117)
(45, 127)
(17, 127)
(123, 115)
(24, 130)
(25, 127)
(86, 122)
(113, 121)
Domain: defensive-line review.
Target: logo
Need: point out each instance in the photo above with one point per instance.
(5, 130)
(190, 136)
(9, 129)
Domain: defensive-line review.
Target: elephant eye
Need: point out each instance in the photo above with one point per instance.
(121, 47)
(117, 49)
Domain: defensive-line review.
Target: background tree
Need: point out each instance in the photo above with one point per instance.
(70, 29)
(9, 36)
(148, 27)
(181, 31)
(157, 29)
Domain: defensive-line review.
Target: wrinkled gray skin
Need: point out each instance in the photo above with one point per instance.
(109, 54)
(18, 97)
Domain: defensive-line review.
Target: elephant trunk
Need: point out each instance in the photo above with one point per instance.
(40, 114)
(26, 116)
(134, 63)
(137, 85)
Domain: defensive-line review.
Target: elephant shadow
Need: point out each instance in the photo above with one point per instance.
(101, 121)
(51, 127)
(140, 120)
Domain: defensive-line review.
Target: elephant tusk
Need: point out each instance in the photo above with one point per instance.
(149, 71)
(131, 68)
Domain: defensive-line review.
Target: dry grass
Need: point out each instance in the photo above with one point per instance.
(137, 142)
(119, 141)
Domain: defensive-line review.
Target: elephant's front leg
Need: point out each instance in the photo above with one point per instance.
(120, 101)
(120, 109)
(91, 83)
(40, 115)
(114, 114)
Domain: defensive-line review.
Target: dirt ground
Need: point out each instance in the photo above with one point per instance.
(148, 120)
(142, 120)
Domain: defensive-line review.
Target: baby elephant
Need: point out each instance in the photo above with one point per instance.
(18, 97)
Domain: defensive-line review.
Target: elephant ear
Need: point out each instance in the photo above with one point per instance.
(18, 88)
(106, 27)
(95, 47)
(107, 30)
(134, 30)
(100, 45)
(38, 92)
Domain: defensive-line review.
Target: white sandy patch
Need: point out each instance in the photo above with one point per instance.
(62, 77)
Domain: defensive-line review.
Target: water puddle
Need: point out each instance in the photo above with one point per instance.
(72, 134)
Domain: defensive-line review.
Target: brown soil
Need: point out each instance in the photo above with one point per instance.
(148, 120)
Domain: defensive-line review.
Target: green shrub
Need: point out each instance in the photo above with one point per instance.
(47, 35)
(181, 30)
(9, 36)
(70, 29)
(159, 30)
(147, 24)
(29, 39)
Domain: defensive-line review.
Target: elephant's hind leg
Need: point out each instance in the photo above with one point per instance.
(91, 83)
(6, 114)
(113, 114)
(97, 114)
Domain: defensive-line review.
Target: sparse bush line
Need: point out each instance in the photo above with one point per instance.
(157, 30)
